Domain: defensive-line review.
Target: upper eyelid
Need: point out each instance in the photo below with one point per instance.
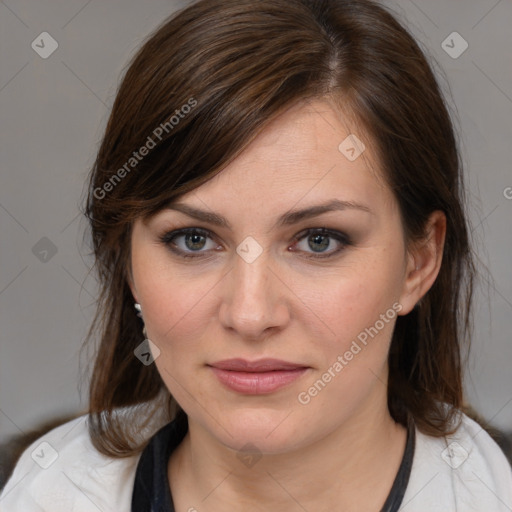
(193, 229)
(339, 236)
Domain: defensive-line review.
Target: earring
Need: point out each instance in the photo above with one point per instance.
(138, 308)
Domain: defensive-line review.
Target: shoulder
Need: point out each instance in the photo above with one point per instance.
(62, 471)
(463, 471)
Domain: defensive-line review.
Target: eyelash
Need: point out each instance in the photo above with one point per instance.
(168, 240)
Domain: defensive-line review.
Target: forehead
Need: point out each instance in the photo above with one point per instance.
(309, 154)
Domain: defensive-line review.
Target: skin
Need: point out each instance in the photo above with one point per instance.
(284, 305)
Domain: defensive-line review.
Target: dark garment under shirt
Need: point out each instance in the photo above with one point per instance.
(151, 492)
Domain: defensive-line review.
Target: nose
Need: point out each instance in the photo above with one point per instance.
(254, 299)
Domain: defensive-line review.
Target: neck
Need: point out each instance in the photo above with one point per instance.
(351, 468)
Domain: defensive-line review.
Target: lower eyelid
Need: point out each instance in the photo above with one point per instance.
(168, 240)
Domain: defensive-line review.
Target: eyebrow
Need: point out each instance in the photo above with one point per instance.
(287, 219)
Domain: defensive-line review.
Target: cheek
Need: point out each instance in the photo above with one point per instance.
(177, 310)
(339, 309)
(353, 304)
(177, 307)
(176, 320)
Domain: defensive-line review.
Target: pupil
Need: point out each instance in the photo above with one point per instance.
(316, 239)
(194, 238)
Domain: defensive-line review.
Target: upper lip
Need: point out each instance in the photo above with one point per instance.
(261, 365)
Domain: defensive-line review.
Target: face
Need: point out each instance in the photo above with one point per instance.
(274, 327)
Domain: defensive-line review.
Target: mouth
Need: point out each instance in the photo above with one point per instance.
(257, 377)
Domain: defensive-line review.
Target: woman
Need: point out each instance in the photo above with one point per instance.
(278, 221)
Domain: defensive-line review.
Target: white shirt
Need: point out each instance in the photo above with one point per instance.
(63, 472)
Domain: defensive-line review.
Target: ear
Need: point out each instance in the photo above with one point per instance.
(131, 284)
(423, 262)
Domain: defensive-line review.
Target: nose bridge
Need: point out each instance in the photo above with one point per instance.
(250, 285)
(251, 302)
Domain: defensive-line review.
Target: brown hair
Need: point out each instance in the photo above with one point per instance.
(238, 64)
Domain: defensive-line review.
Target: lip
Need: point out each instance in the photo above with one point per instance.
(257, 377)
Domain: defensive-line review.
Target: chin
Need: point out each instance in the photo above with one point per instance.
(270, 431)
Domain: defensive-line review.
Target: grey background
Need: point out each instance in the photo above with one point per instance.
(53, 113)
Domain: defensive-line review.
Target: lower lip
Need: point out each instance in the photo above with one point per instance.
(257, 383)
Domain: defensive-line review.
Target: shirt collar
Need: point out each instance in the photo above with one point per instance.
(151, 492)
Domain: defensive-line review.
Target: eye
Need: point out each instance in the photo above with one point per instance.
(187, 241)
(193, 242)
(320, 239)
